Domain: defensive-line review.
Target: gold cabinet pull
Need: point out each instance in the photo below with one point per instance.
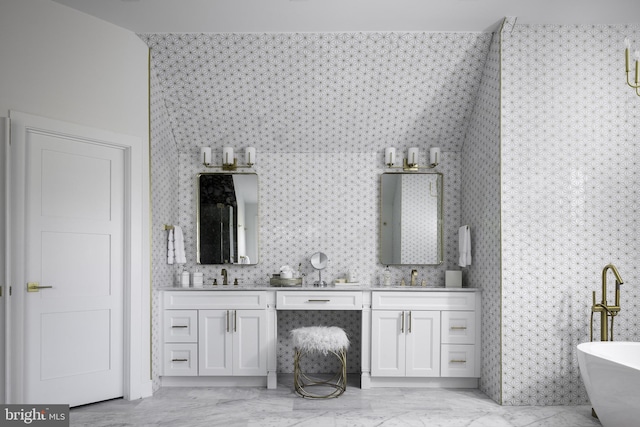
(235, 320)
(318, 300)
(402, 324)
(410, 322)
(227, 320)
(457, 361)
(35, 287)
(458, 328)
(179, 360)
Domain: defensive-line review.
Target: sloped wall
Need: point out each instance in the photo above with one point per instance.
(480, 200)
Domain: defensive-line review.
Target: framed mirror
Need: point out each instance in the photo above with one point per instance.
(411, 220)
(227, 218)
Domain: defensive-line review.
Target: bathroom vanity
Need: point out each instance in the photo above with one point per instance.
(411, 336)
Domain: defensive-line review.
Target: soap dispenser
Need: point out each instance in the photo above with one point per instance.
(184, 279)
(386, 277)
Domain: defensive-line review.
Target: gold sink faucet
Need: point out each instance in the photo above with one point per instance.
(414, 277)
(603, 308)
(225, 280)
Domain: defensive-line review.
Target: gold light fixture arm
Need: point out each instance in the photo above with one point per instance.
(627, 66)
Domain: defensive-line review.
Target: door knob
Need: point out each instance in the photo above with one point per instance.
(35, 287)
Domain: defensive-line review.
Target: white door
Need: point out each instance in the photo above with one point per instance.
(387, 343)
(215, 329)
(74, 224)
(423, 343)
(250, 342)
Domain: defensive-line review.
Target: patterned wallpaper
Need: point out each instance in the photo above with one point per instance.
(164, 193)
(570, 156)
(480, 199)
(550, 203)
(320, 108)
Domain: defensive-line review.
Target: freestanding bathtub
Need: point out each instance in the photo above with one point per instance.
(611, 373)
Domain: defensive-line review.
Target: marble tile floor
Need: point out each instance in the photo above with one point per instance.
(252, 406)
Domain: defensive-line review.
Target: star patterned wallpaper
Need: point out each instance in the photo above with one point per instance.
(164, 193)
(480, 201)
(540, 153)
(570, 156)
(320, 109)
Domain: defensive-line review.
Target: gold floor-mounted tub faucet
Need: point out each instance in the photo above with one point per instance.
(604, 309)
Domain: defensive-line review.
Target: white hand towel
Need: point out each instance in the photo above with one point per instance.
(178, 241)
(464, 237)
(170, 248)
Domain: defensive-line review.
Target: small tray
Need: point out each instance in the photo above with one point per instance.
(285, 283)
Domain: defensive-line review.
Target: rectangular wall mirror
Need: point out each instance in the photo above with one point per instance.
(227, 218)
(411, 220)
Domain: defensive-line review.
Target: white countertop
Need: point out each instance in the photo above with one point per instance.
(367, 288)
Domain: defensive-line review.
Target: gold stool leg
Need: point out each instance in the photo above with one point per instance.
(301, 380)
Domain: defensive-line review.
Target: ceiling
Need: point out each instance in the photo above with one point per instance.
(211, 16)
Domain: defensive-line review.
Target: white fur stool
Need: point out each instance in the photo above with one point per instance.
(324, 339)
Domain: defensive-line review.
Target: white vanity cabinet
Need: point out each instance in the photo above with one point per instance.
(424, 334)
(405, 343)
(232, 342)
(215, 334)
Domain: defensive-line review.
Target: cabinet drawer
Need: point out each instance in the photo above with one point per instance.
(458, 360)
(319, 300)
(180, 360)
(425, 300)
(458, 327)
(181, 326)
(215, 299)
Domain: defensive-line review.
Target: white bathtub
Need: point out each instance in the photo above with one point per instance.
(611, 374)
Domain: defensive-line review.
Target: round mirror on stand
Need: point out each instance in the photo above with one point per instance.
(319, 261)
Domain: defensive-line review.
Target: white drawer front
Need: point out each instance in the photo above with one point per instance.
(180, 360)
(181, 326)
(426, 300)
(458, 327)
(222, 299)
(319, 300)
(458, 361)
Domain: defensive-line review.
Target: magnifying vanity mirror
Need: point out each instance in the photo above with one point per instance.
(411, 220)
(227, 218)
(319, 262)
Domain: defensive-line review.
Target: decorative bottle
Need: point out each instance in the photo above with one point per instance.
(386, 277)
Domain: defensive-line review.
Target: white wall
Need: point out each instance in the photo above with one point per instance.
(62, 64)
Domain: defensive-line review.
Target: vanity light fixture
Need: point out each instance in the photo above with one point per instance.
(411, 162)
(627, 60)
(229, 162)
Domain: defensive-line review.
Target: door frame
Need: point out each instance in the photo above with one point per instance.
(137, 289)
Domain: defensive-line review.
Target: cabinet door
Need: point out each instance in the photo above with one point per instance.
(249, 342)
(215, 333)
(423, 343)
(387, 343)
